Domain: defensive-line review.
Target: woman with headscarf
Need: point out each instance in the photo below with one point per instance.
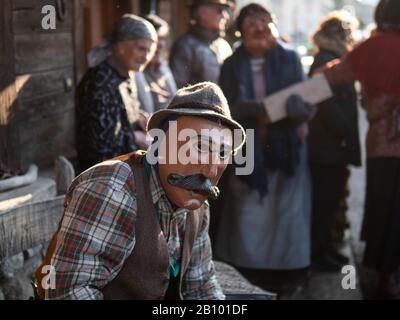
(108, 120)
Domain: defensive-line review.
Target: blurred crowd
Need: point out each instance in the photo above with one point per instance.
(290, 213)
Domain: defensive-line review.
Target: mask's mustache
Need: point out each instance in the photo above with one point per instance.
(196, 183)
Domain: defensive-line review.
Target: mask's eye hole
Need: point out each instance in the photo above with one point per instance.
(202, 145)
(225, 153)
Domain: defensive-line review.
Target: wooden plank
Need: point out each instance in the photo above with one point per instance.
(29, 225)
(45, 83)
(40, 190)
(23, 4)
(27, 18)
(43, 52)
(9, 155)
(49, 129)
(46, 107)
(44, 151)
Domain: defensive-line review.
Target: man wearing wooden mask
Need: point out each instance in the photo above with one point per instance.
(135, 229)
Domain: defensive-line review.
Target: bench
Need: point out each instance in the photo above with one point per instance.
(33, 224)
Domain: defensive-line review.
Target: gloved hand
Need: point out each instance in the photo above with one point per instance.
(299, 110)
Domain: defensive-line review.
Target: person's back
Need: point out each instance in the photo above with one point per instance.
(334, 134)
(376, 64)
(333, 142)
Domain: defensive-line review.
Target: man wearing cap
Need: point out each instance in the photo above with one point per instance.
(198, 55)
(108, 121)
(135, 229)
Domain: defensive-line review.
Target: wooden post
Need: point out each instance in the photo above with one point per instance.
(79, 41)
(9, 155)
(135, 6)
(181, 11)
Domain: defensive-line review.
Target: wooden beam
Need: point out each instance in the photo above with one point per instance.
(135, 6)
(27, 226)
(181, 11)
(43, 52)
(79, 40)
(9, 154)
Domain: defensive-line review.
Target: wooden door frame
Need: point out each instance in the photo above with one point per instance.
(79, 40)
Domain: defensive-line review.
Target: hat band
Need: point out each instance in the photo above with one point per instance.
(198, 105)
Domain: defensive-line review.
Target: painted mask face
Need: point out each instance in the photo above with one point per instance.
(196, 152)
(259, 34)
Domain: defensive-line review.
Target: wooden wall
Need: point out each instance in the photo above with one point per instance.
(8, 91)
(44, 66)
(39, 70)
(100, 14)
(42, 69)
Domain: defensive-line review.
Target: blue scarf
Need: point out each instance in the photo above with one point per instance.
(282, 69)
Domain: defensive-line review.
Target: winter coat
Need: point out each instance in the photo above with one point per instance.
(334, 133)
(197, 56)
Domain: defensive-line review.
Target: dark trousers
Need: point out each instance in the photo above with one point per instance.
(328, 187)
(381, 224)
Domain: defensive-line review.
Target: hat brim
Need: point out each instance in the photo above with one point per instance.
(158, 118)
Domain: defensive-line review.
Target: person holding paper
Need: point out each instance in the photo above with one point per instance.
(266, 222)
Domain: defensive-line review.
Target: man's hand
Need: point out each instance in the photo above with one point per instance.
(299, 110)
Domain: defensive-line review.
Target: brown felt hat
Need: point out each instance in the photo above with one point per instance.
(204, 99)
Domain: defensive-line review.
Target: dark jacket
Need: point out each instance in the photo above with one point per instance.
(334, 137)
(197, 56)
(107, 108)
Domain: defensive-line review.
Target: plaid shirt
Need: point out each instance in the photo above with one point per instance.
(97, 234)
